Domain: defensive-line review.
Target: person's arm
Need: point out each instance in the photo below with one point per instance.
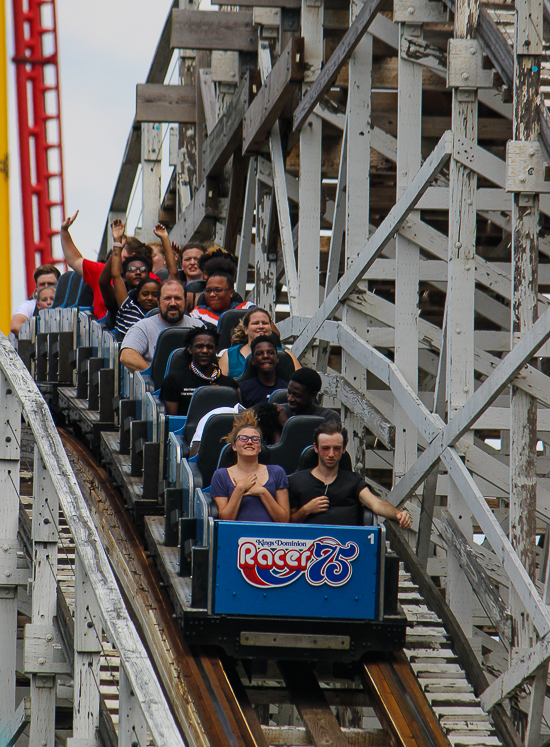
(228, 508)
(133, 360)
(223, 363)
(172, 409)
(73, 257)
(194, 450)
(384, 508)
(120, 291)
(16, 322)
(276, 507)
(314, 506)
(171, 264)
(107, 289)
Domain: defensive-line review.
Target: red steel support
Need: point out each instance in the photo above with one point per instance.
(41, 160)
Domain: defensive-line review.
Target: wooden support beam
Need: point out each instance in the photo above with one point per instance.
(340, 55)
(279, 88)
(265, 3)
(226, 136)
(159, 103)
(203, 29)
(17, 724)
(374, 246)
(359, 403)
(479, 579)
(197, 221)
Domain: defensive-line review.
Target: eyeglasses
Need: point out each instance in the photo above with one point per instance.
(245, 439)
(215, 291)
(133, 268)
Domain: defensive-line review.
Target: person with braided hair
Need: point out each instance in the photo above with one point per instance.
(203, 370)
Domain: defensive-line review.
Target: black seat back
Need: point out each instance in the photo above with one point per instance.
(283, 370)
(168, 341)
(228, 457)
(152, 312)
(62, 289)
(309, 460)
(226, 324)
(279, 397)
(84, 296)
(211, 445)
(297, 434)
(162, 275)
(193, 286)
(205, 399)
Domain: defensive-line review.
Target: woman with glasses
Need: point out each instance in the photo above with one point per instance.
(250, 491)
(134, 291)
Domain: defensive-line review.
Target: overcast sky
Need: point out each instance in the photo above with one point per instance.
(105, 49)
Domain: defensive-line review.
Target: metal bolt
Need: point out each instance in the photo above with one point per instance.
(465, 76)
(472, 50)
(458, 244)
(251, 40)
(458, 330)
(9, 391)
(8, 439)
(531, 152)
(90, 624)
(8, 574)
(6, 548)
(467, 268)
(49, 637)
(411, 11)
(465, 389)
(46, 521)
(522, 178)
(41, 661)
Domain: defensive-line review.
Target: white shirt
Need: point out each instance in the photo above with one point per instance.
(27, 308)
(197, 435)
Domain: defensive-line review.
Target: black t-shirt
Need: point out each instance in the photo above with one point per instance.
(253, 391)
(179, 386)
(322, 412)
(342, 493)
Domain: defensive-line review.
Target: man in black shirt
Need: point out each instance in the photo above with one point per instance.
(264, 361)
(203, 370)
(303, 387)
(329, 495)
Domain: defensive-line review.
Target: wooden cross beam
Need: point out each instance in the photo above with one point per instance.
(159, 103)
(204, 29)
(336, 61)
(279, 88)
(197, 219)
(374, 246)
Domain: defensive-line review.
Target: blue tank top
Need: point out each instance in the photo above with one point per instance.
(236, 360)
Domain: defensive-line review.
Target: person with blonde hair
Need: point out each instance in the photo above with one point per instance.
(250, 491)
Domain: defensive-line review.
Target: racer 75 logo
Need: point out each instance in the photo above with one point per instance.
(279, 562)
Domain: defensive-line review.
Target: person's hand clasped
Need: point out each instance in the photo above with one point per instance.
(247, 484)
(404, 519)
(318, 505)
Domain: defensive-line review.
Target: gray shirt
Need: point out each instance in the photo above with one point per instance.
(142, 336)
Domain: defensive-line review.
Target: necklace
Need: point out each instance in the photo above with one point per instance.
(215, 375)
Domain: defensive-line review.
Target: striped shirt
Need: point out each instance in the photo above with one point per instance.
(210, 317)
(127, 315)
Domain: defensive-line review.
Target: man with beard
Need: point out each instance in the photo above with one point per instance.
(138, 347)
(178, 387)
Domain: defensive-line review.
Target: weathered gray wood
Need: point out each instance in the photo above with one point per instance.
(197, 221)
(160, 103)
(202, 29)
(117, 622)
(17, 724)
(337, 387)
(374, 246)
(226, 136)
(338, 58)
(480, 581)
(278, 89)
(265, 3)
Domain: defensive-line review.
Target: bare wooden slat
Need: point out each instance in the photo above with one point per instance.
(197, 219)
(202, 29)
(265, 3)
(158, 103)
(278, 89)
(226, 136)
(340, 55)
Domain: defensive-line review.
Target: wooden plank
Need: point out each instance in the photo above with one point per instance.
(312, 705)
(265, 3)
(340, 55)
(17, 724)
(159, 103)
(216, 29)
(278, 89)
(226, 136)
(197, 220)
(300, 736)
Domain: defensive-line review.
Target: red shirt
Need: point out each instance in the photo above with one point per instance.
(91, 272)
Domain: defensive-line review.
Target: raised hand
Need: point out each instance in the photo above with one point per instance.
(68, 222)
(160, 231)
(117, 228)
